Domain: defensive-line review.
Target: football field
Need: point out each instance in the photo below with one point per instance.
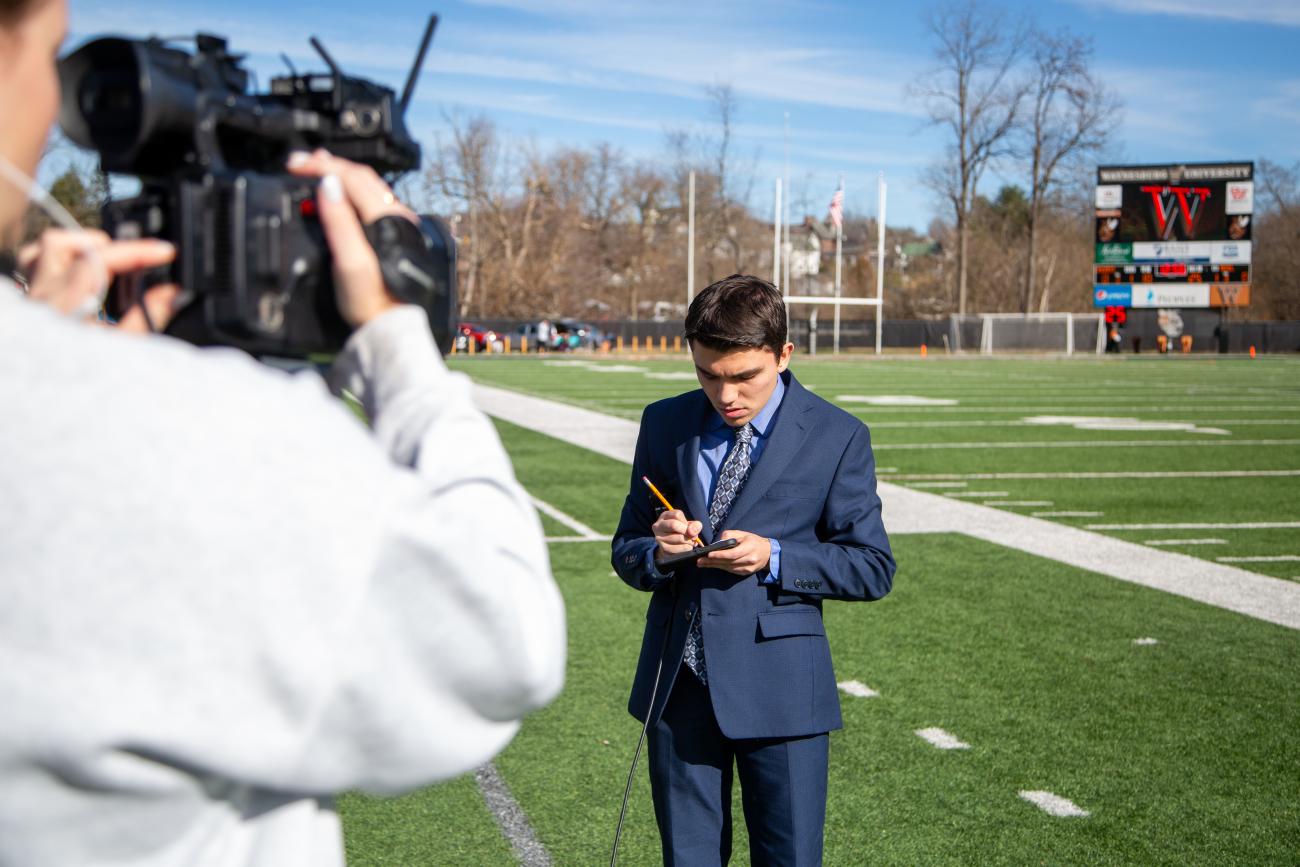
(1000, 706)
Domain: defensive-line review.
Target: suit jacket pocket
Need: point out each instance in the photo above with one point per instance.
(780, 624)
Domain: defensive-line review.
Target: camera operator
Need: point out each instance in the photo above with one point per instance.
(222, 599)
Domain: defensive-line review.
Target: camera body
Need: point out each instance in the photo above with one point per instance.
(251, 253)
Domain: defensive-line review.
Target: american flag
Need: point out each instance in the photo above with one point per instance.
(837, 207)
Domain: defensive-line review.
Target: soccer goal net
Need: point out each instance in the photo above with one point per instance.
(1064, 333)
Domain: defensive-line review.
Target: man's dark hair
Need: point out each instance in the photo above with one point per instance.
(738, 312)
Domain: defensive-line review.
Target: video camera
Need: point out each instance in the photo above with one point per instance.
(210, 156)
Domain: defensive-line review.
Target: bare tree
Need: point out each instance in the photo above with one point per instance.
(1277, 240)
(974, 94)
(1071, 115)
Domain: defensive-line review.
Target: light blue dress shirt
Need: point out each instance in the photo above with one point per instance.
(716, 442)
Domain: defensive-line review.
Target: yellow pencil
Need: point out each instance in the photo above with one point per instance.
(667, 505)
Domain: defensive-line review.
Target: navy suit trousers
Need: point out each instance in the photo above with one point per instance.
(782, 785)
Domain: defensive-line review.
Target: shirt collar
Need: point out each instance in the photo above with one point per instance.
(763, 421)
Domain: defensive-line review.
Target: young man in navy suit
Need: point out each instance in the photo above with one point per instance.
(746, 676)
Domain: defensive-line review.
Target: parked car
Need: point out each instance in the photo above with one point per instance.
(581, 335)
(467, 331)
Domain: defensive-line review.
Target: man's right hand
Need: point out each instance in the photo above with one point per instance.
(674, 533)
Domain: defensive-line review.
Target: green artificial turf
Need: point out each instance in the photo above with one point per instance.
(1239, 401)
(1184, 751)
(446, 825)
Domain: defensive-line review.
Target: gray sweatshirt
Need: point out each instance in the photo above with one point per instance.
(223, 599)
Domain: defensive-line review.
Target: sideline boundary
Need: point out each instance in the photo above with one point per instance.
(910, 511)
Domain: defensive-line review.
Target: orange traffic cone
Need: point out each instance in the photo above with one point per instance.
(923, 350)
(1252, 351)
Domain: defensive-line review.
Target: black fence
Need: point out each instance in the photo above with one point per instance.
(965, 334)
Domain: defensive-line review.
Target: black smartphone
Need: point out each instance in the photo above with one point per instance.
(694, 554)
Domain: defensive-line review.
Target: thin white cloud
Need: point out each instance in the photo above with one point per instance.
(1285, 12)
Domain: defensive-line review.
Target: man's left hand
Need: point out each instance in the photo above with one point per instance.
(750, 556)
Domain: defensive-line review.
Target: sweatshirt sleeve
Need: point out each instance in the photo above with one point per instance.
(460, 631)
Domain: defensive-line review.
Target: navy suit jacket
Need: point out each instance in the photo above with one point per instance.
(814, 491)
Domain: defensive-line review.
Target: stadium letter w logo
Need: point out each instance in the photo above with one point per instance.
(1169, 202)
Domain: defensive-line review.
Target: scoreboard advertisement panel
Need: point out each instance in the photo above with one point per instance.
(1174, 235)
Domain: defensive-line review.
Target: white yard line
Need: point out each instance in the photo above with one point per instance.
(1275, 600)
(857, 688)
(938, 485)
(941, 739)
(1020, 503)
(1054, 805)
(977, 494)
(1176, 542)
(1281, 558)
(913, 480)
(904, 425)
(1145, 642)
(585, 533)
(1250, 525)
(510, 818)
(1067, 514)
(1084, 444)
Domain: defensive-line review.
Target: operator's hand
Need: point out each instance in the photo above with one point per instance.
(674, 533)
(352, 195)
(70, 271)
(750, 556)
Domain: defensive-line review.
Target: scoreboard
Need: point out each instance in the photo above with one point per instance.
(1174, 235)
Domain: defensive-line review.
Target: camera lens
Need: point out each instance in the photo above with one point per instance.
(110, 102)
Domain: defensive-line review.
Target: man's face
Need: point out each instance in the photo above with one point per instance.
(739, 382)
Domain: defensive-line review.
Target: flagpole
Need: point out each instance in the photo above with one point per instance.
(785, 216)
(880, 261)
(776, 238)
(839, 246)
(690, 242)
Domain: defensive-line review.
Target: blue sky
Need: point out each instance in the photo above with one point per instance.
(1200, 80)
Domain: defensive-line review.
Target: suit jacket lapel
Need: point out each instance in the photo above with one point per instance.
(688, 461)
(787, 439)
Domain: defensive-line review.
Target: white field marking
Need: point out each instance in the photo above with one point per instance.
(615, 368)
(1250, 525)
(976, 494)
(941, 739)
(857, 688)
(1067, 514)
(1176, 542)
(1128, 423)
(1135, 474)
(895, 400)
(566, 539)
(1054, 805)
(1029, 406)
(585, 533)
(510, 818)
(1281, 558)
(1020, 503)
(886, 469)
(1232, 422)
(1145, 642)
(1088, 444)
(1275, 600)
(939, 485)
(673, 375)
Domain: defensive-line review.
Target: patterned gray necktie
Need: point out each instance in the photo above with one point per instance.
(735, 469)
